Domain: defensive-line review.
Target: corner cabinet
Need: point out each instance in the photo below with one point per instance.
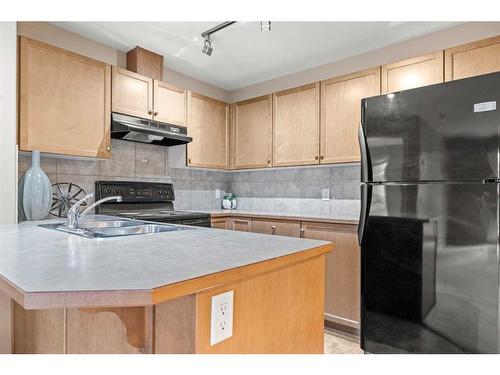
(64, 101)
(296, 126)
(341, 114)
(208, 125)
(411, 73)
(473, 59)
(252, 133)
(343, 271)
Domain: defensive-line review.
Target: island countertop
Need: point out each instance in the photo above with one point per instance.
(42, 268)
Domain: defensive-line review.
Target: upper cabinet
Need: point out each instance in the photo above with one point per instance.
(412, 73)
(341, 114)
(138, 95)
(64, 101)
(296, 126)
(170, 103)
(208, 124)
(473, 59)
(252, 133)
(132, 93)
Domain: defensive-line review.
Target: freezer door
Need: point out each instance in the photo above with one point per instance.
(441, 132)
(430, 268)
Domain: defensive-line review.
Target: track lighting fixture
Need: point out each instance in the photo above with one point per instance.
(265, 25)
(207, 46)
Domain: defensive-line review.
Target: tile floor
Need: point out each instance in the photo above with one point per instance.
(340, 343)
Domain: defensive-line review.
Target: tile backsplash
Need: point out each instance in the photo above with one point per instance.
(293, 189)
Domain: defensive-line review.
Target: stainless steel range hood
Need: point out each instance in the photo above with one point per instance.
(137, 129)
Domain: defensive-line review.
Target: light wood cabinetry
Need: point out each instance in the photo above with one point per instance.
(280, 228)
(296, 126)
(132, 93)
(208, 124)
(342, 290)
(341, 114)
(220, 223)
(473, 59)
(240, 224)
(411, 73)
(64, 101)
(252, 133)
(146, 63)
(170, 103)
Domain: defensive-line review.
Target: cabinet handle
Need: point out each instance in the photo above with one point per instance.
(321, 157)
(268, 161)
(316, 157)
(273, 229)
(302, 230)
(150, 112)
(108, 148)
(189, 160)
(155, 113)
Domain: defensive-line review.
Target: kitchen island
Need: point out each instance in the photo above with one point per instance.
(152, 293)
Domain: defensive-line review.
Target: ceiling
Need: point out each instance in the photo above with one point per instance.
(243, 55)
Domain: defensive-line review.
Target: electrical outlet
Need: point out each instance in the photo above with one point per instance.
(217, 193)
(325, 194)
(222, 317)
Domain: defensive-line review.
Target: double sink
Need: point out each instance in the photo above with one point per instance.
(114, 228)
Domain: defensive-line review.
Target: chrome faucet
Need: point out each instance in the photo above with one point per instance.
(74, 215)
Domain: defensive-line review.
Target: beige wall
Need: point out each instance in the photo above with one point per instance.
(73, 42)
(446, 38)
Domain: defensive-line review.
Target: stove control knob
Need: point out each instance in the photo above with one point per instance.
(161, 192)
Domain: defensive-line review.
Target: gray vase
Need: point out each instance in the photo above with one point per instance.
(35, 191)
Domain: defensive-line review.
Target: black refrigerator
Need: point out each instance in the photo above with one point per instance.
(429, 224)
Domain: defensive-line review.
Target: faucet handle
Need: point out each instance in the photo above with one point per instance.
(74, 208)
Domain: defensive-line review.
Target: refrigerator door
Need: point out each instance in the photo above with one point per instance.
(429, 263)
(441, 132)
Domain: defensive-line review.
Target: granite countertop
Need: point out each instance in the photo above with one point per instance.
(327, 217)
(35, 259)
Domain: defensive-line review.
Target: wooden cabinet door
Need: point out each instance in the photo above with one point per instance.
(170, 103)
(208, 124)
(473, 59)
(219, 222)
(342, 290)
(132, 93)
(411, 73)
(64, 101)
(296, 126)
(277, 227)
(252, 127)
(341, 114)
(240, 224)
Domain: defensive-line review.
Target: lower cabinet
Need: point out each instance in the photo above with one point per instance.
(343, 265)
(280, 228)
(342, 290)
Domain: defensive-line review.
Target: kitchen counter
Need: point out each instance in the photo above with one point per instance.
(44, 268)
(325, 218)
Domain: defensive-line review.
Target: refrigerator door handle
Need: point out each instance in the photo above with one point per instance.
(365, 210)
(365, 158)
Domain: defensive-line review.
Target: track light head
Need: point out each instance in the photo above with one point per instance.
(207, 46)
(265, 25)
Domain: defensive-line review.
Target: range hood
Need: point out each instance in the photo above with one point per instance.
(137, 129)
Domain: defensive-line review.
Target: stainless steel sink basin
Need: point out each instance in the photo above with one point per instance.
(115, 228)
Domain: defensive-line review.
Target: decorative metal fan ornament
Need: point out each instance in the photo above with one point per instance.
(64, 195)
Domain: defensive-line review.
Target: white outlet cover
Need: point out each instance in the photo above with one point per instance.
(221, 322)
(217, 193)
(325, 194)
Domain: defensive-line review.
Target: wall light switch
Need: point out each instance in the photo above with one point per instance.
(217, 193)
(222, 317)
(325, 194)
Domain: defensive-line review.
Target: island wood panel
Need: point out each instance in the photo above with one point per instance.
(277, 227)
(220, 223)
(341, 114)
(275, 312)
(473, 59)
(170, 103)
(343, 269)
(411, 73)
(132, 93)
(175, 329)
(296, 126)
(252, 127)
(208, 125)
(64, 101)
(38, 331)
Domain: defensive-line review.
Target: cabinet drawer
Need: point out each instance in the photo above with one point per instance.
(280, 228)
(240, 224)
